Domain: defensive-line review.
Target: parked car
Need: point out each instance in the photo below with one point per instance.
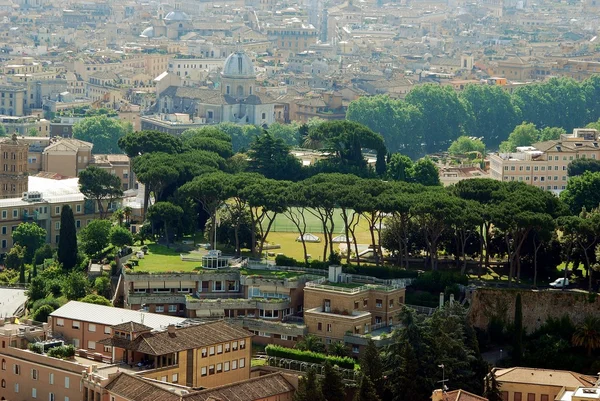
(560, 283)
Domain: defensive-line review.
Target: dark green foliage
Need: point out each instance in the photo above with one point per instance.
(43, 253)
(166, 213)
(54, 303)
(492, 388)
(100, 185)
(371, 365)
(332, 385)
(102, 286)
(367, 391)
(35, 347)
(139, 143)
(42, 313)
(517, 354)
(270, 157)
(31, 237)
(437, 281)
(309, 389)
(22, 275)
(95, 237)
(311, 343)
(37, 289)
(62, 352)
(208, 138)
(67, 242)
(75, 286)
(308, 356)
(120, 236)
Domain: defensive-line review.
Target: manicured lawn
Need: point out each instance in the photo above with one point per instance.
(162, 259)
(344, 285)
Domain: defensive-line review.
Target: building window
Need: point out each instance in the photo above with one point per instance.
(16, 369)
(219, 367)
(51, 397)
(78, 223)
(227, 347)
(92, 327)
(75, 324)
(211, 351)
(174, 378)
(242, 362)
(4, 214)
(234, 364)
(107, 348)
(204, 353)
(33, 393)
(15, 213)
(211, 370)
(34, 374)
(4, 364)
(365, 302)
(219, 349)
(3, 383)
(203, 371)
(226, 366)
(57, 210)
(378, 303)
(355, 304)
(172, 308)
(234, 346)
(67, 382)
(329, 327)
(320, 326)
(78, 208)
(91, 345)
(160, 308)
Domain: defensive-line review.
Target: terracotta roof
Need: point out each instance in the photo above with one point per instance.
(138, 389)
(131, 326)
(544, 377)
(191, 337)
(462, 395)
(248, 390)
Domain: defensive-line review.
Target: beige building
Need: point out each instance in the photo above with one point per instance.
(530, 384)
(13, 173)
(67, 157)
(545, 164)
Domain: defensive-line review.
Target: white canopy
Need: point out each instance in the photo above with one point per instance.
(308, 237)
(341, 239)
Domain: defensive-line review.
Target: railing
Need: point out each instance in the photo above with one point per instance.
(317, 284)
(425, 310)
(299, 366)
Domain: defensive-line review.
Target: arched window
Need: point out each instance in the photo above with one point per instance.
(3, 383)
(3, 364)
(250, 90)
(228, 89)
(240, 91)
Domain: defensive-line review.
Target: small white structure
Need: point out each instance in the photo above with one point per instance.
(341, 239)
(308, 237)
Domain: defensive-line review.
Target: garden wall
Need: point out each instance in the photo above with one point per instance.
(487, 303)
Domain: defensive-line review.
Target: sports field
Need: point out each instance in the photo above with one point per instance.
(284, 233)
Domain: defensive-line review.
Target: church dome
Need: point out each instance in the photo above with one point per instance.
(177, 15)
(238, 65)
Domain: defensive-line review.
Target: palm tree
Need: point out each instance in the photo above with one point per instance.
(311, 343)
(119, 215)
(337, 348)
(128, 211)
(587, 334)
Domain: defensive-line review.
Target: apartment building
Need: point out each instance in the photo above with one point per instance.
(13, 174)
(520, 384)
(42, 204)
(544, 164)
(85, 325)
(293, 35)
(195, 354)
(339, 307)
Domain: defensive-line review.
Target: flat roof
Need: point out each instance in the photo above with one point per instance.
(110, 316)
(53, 191)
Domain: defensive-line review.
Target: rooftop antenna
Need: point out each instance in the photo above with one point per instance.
(444, 380)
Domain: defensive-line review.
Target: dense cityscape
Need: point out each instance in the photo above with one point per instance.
(326, 200)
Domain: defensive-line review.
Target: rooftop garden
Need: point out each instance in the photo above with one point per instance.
(271, 273)
(160, 259)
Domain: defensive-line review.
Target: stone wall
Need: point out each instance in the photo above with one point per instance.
(537, 306)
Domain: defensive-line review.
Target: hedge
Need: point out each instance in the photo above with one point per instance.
(309, 356)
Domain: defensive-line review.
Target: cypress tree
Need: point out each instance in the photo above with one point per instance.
(34, 273)
(332, 384)
(67, 242)
(309, 389)
(366, 391)
(492, 388)
(518, 345)
(371, 365)
(29, 277)
(22, 274)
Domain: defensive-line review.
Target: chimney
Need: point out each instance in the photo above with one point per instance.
(171, 330)
(334, 273)
(441, 299)
(438, 395)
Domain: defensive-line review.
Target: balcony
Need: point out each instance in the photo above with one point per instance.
(236, 303)
(289, 329)
(354, 287)
(138, 298)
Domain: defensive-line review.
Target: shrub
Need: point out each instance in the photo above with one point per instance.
(308, 356)
(37, 348)
(62, 352)
(55, 303)
(382, 272)
(282, 260)
(437, 281)
(41, 314)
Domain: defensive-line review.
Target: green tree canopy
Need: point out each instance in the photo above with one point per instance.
(580, 166)
(210, 139)
(166, 213)
(96, 299)
(271, 157)
(120, 236)
(424, 172)
(465, 144)
(103, 132)
(75, 286)
(31, 237)
(142, 142)
(95, 237)
(583, 191)
(523, 135)
(100, 185)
